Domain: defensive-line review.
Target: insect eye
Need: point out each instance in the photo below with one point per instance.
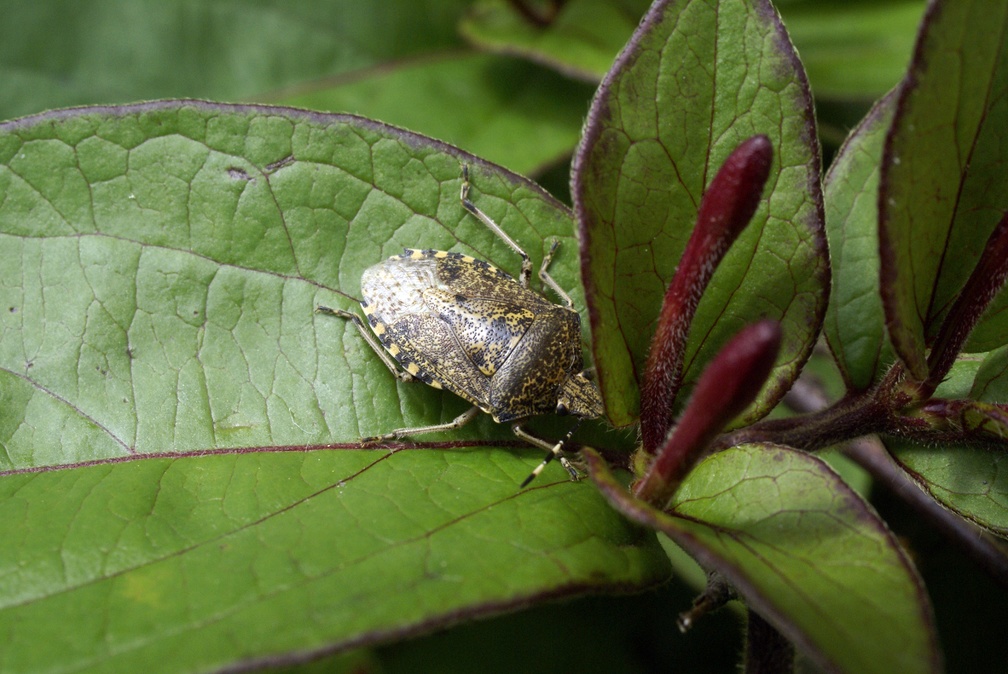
(561, 409)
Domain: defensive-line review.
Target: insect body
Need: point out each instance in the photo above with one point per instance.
(459, 323)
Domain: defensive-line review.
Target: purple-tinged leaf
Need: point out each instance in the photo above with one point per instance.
(803, 550)
(970, 480)
(855, 321)
(697, 79)
(943, 189)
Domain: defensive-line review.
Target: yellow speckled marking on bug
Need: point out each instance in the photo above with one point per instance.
(455, 322)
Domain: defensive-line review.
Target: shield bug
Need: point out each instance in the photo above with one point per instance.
(459, 323)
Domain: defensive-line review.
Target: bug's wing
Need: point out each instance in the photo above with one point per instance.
(455, 322)
(530, 381)
(525, 351)
(409, 301)
(426, 347)
(489, 311)
(487, 330)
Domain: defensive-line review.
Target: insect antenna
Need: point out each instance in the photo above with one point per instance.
(555, 453)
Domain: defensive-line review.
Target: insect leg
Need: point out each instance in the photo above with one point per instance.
(554, 452)
(458, 422)
(370, 339)
(548, 280)
(526, 268)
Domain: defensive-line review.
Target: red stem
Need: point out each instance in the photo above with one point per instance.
(984, 283)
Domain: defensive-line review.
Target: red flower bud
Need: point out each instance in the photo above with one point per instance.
(728, 385)
(727, 207)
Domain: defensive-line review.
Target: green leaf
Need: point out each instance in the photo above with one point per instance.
(942, 190)
(580, 41)
(693, 83)
(803, 550)
(991, 382)
(212, 561)
(972, 481)
(515, 114)
(942, 195)
(855, 321)
(181, 431)
(969, 480)
(54, 54)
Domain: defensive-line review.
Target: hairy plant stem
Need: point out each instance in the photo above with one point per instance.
(767, 650)
(897, 406)
(864, 413)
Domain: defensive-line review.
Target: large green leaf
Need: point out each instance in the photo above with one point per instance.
(183, 478)
(696, 80)
(942, 187)
(855, 321)
(202, 562)
(804, 551)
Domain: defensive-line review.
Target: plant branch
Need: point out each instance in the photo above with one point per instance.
(893, 407)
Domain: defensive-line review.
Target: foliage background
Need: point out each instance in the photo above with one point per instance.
(409, 63)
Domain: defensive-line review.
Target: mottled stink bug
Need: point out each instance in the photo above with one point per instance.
(459, 323)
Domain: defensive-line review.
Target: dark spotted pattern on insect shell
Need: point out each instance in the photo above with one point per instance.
(489, 311)
(530, 381)
(461, 323)
(398, 294)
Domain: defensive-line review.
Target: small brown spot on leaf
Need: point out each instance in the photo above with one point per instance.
(237, 173)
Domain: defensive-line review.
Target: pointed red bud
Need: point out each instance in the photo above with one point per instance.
(727, 207)
(728, 385)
